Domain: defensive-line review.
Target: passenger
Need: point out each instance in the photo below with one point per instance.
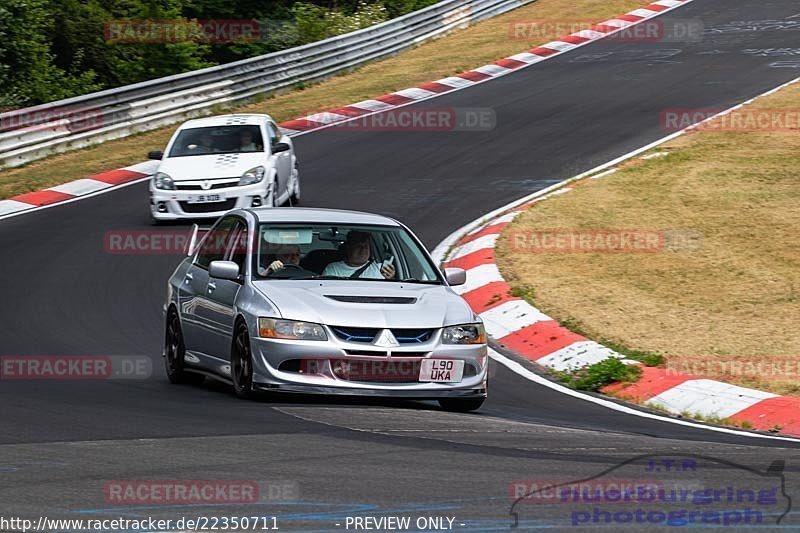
(357, 262)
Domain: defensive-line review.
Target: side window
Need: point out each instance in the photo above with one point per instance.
(274, 133)
(213, 248)
(237, 247)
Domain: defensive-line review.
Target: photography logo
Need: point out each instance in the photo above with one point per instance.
(657, 492)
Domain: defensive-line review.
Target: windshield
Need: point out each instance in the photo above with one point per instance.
(325, 251)
(217, 140)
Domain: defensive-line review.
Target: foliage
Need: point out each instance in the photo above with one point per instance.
(596, 376)
(54, 49)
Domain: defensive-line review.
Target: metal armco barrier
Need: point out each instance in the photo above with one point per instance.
(36, 132)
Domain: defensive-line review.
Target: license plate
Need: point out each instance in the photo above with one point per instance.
(206, 198)
(441, 370)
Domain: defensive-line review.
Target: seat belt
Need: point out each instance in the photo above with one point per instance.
(361, 270)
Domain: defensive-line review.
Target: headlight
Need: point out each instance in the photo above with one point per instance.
(274, 328)
(163, 181)
(254, 175)
(464, 334)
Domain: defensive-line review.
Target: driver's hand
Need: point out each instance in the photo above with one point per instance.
(388, 271)
(275, 266)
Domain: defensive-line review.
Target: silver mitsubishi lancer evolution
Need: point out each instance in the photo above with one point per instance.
(322, 301)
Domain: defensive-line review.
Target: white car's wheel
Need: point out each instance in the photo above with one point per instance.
(272, 196)
(294, 199)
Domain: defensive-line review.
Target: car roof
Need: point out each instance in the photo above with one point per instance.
(317, 215)
(226, 120)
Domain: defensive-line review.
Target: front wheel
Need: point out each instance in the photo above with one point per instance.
(461, 405)
(242, 363)
(175, 351)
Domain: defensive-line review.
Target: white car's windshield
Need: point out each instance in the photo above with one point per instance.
(217, 140)
(327, 251)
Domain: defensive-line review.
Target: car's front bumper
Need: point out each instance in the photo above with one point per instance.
(376, 374)
(174, 205)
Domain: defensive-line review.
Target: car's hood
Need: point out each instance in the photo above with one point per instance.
(210, 166)
(309, 300)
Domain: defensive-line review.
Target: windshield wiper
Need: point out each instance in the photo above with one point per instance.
(414, 280)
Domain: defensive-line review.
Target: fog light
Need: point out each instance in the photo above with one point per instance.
(256, 201)
(162, 207)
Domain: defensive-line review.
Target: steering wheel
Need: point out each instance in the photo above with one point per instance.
(288, 271)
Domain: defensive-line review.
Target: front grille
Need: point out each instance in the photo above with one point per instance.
(374, 353)
(198, 187)
(356, 334)
(411, 336)
(227, 205)
(403, 336)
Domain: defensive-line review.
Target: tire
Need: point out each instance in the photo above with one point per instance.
(242, 363)
(273, 195)
(294, 198)
(461, 405)
(174, 352)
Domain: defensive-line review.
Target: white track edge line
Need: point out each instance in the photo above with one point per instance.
(517, 368)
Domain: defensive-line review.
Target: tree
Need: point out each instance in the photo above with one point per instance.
(28, 74)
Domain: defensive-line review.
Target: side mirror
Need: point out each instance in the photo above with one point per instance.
(155, 154)
(280, 147)
(455, 276)
(224, 270)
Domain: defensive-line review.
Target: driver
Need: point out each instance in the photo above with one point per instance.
(205, 144)
(246, 143)
(357, 263)
(287, 255)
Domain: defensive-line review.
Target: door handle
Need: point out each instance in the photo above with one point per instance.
(212, 286)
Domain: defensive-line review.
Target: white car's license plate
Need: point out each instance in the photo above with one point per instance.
(441, 370)
(206, 198)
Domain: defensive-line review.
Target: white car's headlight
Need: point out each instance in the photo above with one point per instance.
(464, 334)
(275, 328)
(163, 181)
(254, 175)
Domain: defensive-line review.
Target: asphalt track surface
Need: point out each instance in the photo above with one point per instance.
(62, 294)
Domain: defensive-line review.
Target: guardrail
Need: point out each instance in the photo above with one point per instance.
(36, 132)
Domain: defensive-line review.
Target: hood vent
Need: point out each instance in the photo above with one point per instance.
(372, 299)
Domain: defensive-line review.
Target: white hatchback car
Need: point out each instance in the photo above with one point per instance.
(215, 164)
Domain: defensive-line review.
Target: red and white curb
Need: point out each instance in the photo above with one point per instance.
(514, 324)
(76, 189)
(104, 181)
